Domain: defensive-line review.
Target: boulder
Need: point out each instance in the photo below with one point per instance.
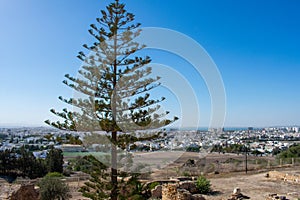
(188, 185)
(157, 192)
(236, 191)
(237, 195)
(197, 197)
(26, 192)
(183, 194)
(275, 197)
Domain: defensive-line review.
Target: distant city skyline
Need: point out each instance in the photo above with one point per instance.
(255, 45)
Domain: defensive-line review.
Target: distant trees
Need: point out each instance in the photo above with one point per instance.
(193, 148)
(8, 161)
(54, 160)
(21, 162)
(292, 152)
(232, 148)
(29, 166)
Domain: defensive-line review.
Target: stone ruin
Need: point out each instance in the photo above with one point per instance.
(26, 192)
(275, 197)
(292, 178)
(176, 191)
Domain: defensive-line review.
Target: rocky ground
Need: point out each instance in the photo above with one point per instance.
(254, 184)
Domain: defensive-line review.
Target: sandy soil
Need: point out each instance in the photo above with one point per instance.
(255, 186)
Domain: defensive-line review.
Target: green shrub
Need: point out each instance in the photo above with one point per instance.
(52, 187)
(54, 175)
(203, 185)
(153, 185)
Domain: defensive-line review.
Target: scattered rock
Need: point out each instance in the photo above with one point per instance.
(197, 197)
(275, 197)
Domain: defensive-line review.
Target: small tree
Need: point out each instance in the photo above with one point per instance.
(52, 187)
(203, 185)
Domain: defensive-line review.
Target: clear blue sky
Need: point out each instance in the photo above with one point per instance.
(255, 44)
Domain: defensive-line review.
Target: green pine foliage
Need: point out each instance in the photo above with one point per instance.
(112, 90)
(114, 82)
(98, 185)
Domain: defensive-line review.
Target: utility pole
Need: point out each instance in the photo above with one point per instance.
(246, 159)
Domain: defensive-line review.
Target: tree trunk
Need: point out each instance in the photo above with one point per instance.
(114, 172)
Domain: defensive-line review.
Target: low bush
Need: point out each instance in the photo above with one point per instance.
(203, 185)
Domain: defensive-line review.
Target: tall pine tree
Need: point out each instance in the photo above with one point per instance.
(114, 84)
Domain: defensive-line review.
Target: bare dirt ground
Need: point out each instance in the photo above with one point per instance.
(254, 184)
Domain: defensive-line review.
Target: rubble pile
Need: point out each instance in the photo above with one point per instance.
(26, 192)
(177, 192)
(169, 192)
(292, 178)
(276, 197)
(7, 189)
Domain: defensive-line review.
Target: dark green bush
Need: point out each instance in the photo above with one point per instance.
(203, 185)
(52, 187)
